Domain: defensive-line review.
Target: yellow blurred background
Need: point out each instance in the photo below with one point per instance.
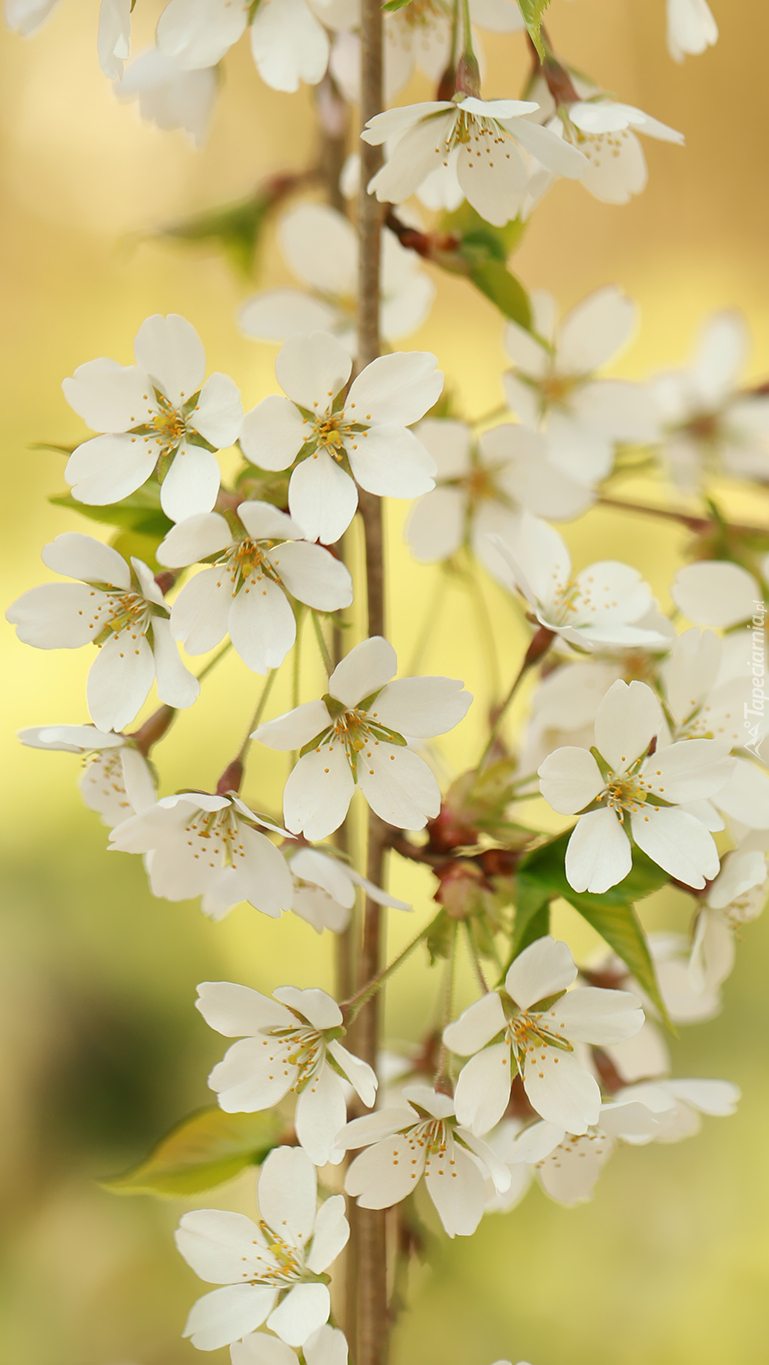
(101, 1049)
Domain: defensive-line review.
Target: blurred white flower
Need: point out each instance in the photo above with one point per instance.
(289, 44)
(691, 28)
(169, 96)
(738, 895)
(327, 1346)
(716, 592)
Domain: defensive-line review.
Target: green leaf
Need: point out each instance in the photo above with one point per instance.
(474, 232)
(235, 229)
(205, 1149)
(532, 916)
(533, 11)
(392, 5)
(133, 544)
(619, 926)
(504, 290)
(140, 511)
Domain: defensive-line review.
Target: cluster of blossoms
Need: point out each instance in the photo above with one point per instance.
(643, 728)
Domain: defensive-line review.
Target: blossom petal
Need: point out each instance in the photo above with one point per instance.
(360, 1075)
(560, 1089)
(273, 433)
(391, 462)
(263, 875)
(598, 854)
(219, 1245)
(398, 786)
(176, 685)
(253, 1075)
(678, 843)
(200, 614)
(108, 396)
(386, 1172)
(691, 770)
(628, 719)
(318, 793)
(476, 1026)
(327, 1346)
(259, 1348)
(193, 539)
(322, 498)
(305, 1308)
(436, 525)
(719, 1098)
(321, 248)
(421, 150)
(715, 592)
(312, 575)
(201, 37)
(320, 1114)
(570, 779)
(287, 1194)
(294, 728)
(493, 178)
(483, 1088)
(593, 1015)
(277, 314)
(238, 1011)
(263, 521)
(364, 670)
(745, 797)
(551, 151)
(228, 1314)
(596, 330)
(120, 678)
(544, 968)
(312, 370)
(170, 351)
(261, 623)
(395, 390)
(58, 615)
(331, 1234)
(108, 468)
(219, 411)
(288, 45)
(458, 1192)
(191, 484)
(421, 707)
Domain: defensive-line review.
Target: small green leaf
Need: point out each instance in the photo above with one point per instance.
(440, 937)
(392, 5)
(466, 223)
(204, 1150)
(133, 544)
(619, 926)
(235, 229)
(532, 915)
(504, 290)
(140, 511)
(533, 11)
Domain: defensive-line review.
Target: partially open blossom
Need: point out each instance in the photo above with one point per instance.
(260, 561)
(193, 840)
(168, 96)
(116, 606)
(117, 781)
(738, 895)
(677, 1104)
(273, 1271)
(691, 28)
(289, 44)
(355, 735)
(157, 416)
(422, 1138)
(537, 1043)
(599, 607)
(321, 248)
(333, 443)
(287, 1045)
(646, 791)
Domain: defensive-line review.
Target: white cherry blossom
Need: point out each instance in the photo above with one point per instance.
(117, 781)
(483, 483)
(355, 736)
(289, 1044)
(327, 1346)
(195, 840)
(677, 1104)
(691, 28)
(488, 136)
(422, 1138)
(289, 44)
(27, 16)
(632, 787)
(113, 41)
(537, 1043)
(597, 608)
(331, 443)
(321, 248)
(120, 608)
(168, 96)
(711, 426)
(716, 592)
(555, 382)
(157, 415)
(273, 1272)
(259, 561)
(738, 895)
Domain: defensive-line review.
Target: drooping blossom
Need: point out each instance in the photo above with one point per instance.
(289, 44)
(355, 736)
(677, 1104)
(321, 248)
(116, 606)
(537, 1043)
(157, 416)
(272, 1271)
(737, 896)
(117, 781)
(331, 443)
(597, 608)
(632, 786)
(327, 1346)
(195, 840)
(422, 1138)
(691, 28)
(289, 1044)
(488, 136)
(259, 561)
(168, 96)
(481, 486)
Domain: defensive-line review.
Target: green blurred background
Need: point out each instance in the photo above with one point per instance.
(101, 1049)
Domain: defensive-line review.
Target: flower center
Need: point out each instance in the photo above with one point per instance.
(596, 146)
(423, 14)
(289, 1267)
(247, 560)
(303, 1048)
(529, 1032)
(104, 773)
(214, 837)
(169, 424)
(625, 793)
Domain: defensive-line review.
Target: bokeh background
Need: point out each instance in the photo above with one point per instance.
(101, 1049)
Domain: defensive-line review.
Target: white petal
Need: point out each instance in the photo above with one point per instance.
(194, 539)
(310, 865)
(395, 390)
(294, 728)
(261, 623)
(318, 793)
(312, 575)
(360, 1075)
(592, 1015)
(618, 409)
(263, 521)
(200, 37)
(305, 1308)
(317, 1006)
(113, 42)
(421, 707)
(170, 351)
(494, 182)
(288, 44)
(570, 1173)
(219, 1245)
(561, 1090)
(745, 797)
(719, 1098)
(322, 498)
(458, 1192)
(628, 719)
(219, 412)
(191, 484)
(237, 1011)
(200, 614)
(364, 670)
(598, 854)
(320, 246)
(312, 370)
(596, 330)
(259, 1348)
(386, 1173)
(551, 151)
(119, 680)
(263, 875)
(448, 442)
(678, 843)
(176, 685)
(273, 433)
(228, 1314)
(108, 396)
(391, 462)
(715, 593)
(331, 1234)
(398, 786)
(436, 524)
(320, 1114)
(83, 557)
(253, 1075)
(483, 1088)
(287, 1194)
(476, 1026)
(276, 314)
(58, 615)
(108, 468)
(327, 1346)
(421, 150)
(542, 969)
(570, 779)
(690, 770)
(72, 739)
